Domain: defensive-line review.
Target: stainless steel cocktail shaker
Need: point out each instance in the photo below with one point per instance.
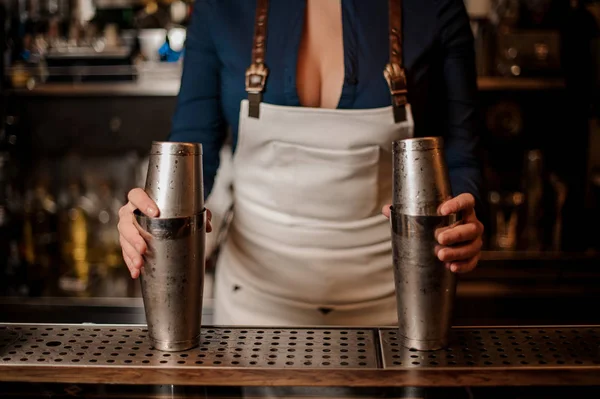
(172, 278)
(425, 288)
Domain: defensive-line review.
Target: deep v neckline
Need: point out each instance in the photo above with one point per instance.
(320, 59)
(295, 56)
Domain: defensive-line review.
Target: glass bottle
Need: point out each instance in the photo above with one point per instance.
(75, 273)
(11, 270)
(41, 239)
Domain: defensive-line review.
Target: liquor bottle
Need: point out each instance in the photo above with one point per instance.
(9, 256)
(74, 231)
(41, 239)
(108, 235)
(114, 275)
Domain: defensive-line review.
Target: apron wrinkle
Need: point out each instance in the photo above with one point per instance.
(315, 248)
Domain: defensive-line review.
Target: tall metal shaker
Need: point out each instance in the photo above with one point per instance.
(172, 278)
(425, 288)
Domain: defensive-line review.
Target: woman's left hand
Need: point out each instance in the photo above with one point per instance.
(460, 244)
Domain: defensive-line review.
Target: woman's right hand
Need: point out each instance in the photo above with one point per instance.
(132, 243)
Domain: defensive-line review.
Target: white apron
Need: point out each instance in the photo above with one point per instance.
(308, 244)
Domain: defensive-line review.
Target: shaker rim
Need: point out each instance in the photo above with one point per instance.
(419, 144)
(175, 148)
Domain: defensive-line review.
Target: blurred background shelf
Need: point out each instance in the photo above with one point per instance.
(558, 256)
(496, 83)
(167, 83)
(511, 291)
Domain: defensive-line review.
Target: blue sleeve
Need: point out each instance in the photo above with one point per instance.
(460, 77)
(198, 114)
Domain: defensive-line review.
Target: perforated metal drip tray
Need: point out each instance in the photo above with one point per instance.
(541, 347)
(287, 357)
(220, 347)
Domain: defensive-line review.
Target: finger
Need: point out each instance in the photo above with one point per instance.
(460, 253)
(460, 233)
(126, 259)
(386, 210)
(208, 220)
(135, 259)
(439, 230)
(134, 272)
(463, 202)
(464, 266)
(126, 211)
(131, 234)
(141, 201)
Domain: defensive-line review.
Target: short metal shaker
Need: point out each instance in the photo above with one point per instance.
(425, 288)
(172, 278)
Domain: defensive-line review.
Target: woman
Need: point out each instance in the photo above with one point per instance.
(301, 84)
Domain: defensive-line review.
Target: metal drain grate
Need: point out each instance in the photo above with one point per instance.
(300, 357)
(518, 347)
(8, 336)
(221, 347)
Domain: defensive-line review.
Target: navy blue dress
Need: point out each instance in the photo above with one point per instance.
(438, 54)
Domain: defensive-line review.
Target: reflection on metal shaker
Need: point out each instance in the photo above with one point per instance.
(425, 288)
(173, 275)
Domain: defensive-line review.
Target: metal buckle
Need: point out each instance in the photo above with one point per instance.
(396, 79)
(256, 76)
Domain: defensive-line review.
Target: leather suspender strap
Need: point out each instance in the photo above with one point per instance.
(256, 74)
(394, 71)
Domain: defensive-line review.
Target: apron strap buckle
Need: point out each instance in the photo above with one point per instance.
(256, 77)
(395, 77)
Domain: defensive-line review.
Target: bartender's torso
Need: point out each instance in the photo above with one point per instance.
(350, 78)
(365, 52)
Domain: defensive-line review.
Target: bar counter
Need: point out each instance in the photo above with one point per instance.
(348, 357)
